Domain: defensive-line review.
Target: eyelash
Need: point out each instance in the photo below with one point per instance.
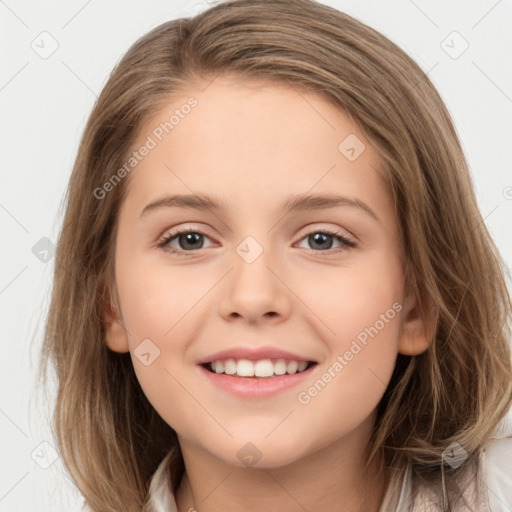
(163, 244)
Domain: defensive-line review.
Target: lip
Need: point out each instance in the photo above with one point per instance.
(256, 387)
(253, 354)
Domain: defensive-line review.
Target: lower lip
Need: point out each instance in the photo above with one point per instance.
(256, 387)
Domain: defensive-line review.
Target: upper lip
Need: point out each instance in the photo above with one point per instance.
(253, 354)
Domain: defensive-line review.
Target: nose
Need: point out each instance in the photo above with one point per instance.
(256, 292)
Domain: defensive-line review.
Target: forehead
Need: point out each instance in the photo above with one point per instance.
(243, 139)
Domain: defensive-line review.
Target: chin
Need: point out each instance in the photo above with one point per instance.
(259, 452)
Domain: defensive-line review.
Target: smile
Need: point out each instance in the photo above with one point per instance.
(254, 385)
(263, 368)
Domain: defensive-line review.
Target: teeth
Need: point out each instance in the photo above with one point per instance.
(245, 368)
(302, 366)
(292, 367)
(280, 367)
(230, 366)
(261, 368)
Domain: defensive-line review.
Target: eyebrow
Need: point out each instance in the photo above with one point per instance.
(295, 203)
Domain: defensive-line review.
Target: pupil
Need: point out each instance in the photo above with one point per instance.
(319, 237)
(189, 238)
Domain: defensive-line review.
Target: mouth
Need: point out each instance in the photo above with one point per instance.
(256, 379)
(259, 369)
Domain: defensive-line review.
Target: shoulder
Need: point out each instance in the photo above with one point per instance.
(485, 485)
(496, 466)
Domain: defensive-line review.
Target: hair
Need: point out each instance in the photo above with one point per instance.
(110, 437)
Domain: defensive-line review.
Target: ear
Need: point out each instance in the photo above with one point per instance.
(416, 332)
(115, 333)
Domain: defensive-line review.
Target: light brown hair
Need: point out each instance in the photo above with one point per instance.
(109, 436)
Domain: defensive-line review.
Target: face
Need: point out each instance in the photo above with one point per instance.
(320, 284)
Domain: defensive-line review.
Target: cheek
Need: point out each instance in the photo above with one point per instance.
(159, 305)
(350, 299)
(359, 312)
(361, 360)
(155, 299)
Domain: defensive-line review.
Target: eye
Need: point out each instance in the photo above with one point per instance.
(323, 240)
(188, 240)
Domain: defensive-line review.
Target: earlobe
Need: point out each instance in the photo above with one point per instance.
(416, 334)
(115, 333)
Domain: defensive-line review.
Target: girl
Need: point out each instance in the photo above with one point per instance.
(255, 369)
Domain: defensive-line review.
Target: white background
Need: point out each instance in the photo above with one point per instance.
(45, 104)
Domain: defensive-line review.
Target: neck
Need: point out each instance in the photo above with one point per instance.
(330, 479)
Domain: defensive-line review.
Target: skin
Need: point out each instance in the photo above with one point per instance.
(253, 145)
